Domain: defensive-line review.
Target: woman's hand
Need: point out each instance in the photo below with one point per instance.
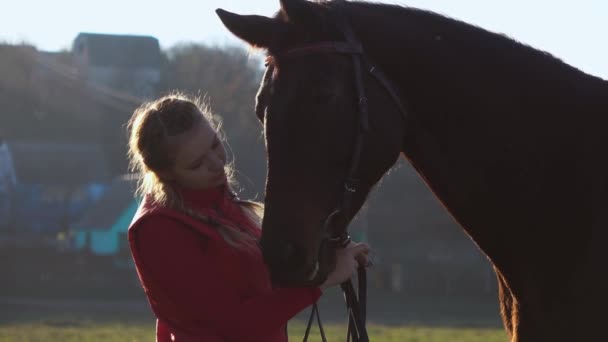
(347, 261)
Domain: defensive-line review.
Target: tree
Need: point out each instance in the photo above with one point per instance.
(228, 79)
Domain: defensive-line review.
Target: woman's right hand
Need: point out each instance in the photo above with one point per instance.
(347, 261)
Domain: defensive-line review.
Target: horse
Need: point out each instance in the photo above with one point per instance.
(510, 139)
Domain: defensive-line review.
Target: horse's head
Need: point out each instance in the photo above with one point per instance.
(308, 104)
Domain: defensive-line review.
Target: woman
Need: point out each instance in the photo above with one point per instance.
(194, 243)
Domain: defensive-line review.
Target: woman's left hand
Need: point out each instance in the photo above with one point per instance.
(364, 258)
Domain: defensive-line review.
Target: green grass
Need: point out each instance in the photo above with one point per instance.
(72, 331)
(75, 331)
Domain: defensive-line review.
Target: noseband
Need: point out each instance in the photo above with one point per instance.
(335, 232)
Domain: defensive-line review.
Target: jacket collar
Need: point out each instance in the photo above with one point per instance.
(219, 198)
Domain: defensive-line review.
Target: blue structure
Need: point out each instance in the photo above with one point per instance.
(54, 184)
(7, 185)
(103, 228)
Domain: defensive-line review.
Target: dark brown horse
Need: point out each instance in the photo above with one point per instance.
(510, 139)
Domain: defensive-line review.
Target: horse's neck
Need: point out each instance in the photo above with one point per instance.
(489, 128)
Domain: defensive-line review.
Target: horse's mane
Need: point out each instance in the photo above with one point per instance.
(391, 15)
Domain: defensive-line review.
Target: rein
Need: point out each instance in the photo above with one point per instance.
(337, 234)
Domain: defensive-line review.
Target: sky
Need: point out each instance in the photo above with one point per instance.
(574, 31)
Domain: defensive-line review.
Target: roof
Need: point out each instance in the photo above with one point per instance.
(119, 50)
(118, 198)
(58, 163)
(44, 98)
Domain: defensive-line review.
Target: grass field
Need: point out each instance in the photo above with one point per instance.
(76, 331)
(392, 318)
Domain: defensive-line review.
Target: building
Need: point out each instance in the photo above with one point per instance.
(53, 184)
(102, 231)
(7, 184)
(121, 63)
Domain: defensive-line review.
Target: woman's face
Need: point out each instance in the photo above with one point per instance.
(199, 158)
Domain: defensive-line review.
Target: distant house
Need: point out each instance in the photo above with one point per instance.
(54, 183)
(7, 184)
(103, 228)
(124, 63)
(45, 97)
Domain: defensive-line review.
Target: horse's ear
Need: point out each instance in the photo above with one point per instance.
(298, 11)
(256, 30)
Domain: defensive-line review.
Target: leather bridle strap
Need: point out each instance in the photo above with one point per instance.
(337, 234)
(323, 47)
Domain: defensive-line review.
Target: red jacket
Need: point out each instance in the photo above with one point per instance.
(199, 287)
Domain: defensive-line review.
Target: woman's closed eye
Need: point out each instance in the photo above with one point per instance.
(196, 165)
(200, 162)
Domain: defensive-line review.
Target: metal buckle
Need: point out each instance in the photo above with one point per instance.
(350, 188)
(350, 185)
(342, 240)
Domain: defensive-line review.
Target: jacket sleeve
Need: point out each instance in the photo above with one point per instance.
(178, 260)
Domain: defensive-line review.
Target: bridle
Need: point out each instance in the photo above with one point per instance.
(337, 234)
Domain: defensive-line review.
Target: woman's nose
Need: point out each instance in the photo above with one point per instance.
(216, 163)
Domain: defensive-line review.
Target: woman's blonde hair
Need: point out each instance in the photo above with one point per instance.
(152, 130)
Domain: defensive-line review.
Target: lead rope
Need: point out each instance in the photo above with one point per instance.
(356, 307)
(314, 313)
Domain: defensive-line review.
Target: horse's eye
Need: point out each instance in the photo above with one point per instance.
(323, 94)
